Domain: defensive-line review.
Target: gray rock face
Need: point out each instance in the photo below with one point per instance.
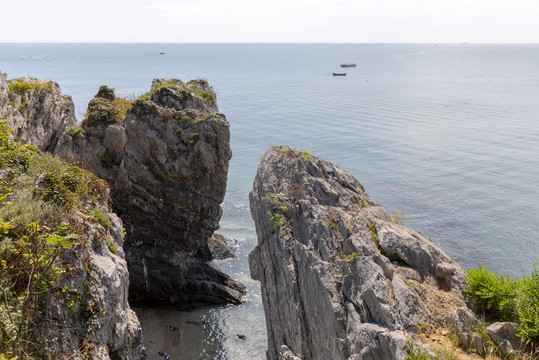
(37, 110)
(167, 165)
(341, 278)
(504, 335)
(99, 316)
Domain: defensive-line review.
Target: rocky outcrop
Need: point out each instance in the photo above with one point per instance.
(167, 165)
(37, 111)
(64, 277)
(89, 313)
(342, 278)
(165, 157)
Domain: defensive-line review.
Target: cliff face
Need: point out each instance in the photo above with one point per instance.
(165, 157)
(37, 110)
(63, 272)
(94, 312)
(167, 165)
(341, 278)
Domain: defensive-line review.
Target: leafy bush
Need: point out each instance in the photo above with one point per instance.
(502, 297)
(492, 292)
(528, 310)
(40, 197)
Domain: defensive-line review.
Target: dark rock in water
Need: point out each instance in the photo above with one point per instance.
(217, 249)
(341, 278)
(164, 354)
(173, 328)
(241, 337)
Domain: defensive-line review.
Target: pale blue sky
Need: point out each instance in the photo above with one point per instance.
(349, 21)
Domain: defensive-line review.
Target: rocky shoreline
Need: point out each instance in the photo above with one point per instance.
(341, 278)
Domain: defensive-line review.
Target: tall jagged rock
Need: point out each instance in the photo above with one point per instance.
(165, 157)
(341, 278)
(167, 165)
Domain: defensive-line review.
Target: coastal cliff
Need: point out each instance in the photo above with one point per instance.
(165, 157)
(166, 162)
(63, 274)
(342, 278)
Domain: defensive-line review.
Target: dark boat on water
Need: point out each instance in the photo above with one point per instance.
(339, 74)
(348, 65)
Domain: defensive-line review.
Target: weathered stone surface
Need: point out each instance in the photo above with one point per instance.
(37, 111)
(167, 165)
(341, 278)
(100, 318)
(504, 335)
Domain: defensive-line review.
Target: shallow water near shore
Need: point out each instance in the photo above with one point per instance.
(447, 134)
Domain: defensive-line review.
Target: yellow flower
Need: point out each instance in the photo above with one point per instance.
(26, 255)
(3, 262)
(15, 251)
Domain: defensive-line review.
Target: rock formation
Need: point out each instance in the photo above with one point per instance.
(37, 110)
(165, 156)
(341, 278)
(64, 277)
(94, 312)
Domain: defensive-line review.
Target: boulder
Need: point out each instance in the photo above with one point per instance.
(341, 278)
(504, 335)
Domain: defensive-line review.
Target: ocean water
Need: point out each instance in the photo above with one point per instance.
(447, 134)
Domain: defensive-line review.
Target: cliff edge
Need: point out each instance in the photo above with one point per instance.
(341, 277)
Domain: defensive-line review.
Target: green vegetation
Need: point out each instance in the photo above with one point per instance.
(398, 218)
(102, 217)
(76, 130)
(122, 104)
(499, 296)
(111, 246)
(351, 258)
(280, 209)
(374, 233)
(101, 112)
(199, 88)
(289, 151)
(106, 160)
(41, 198)
(22, 85)
(415, 352)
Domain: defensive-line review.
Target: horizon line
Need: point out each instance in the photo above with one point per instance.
(269, 43)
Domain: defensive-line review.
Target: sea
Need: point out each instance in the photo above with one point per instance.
(447, 134)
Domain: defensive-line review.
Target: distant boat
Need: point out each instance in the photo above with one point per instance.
(339, 74)
(348, 65)
(161, 53)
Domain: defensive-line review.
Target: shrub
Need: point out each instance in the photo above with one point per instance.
(102, 217)
(528, 309)
(494, 293)
(38, 199)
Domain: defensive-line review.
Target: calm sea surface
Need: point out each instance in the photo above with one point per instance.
(447, 134)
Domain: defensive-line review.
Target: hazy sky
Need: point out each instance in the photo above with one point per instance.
(355, 21)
